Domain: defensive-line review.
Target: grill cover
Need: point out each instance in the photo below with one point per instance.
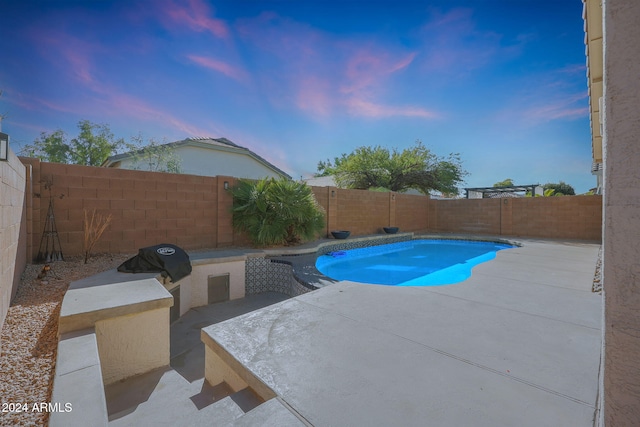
(168, 259)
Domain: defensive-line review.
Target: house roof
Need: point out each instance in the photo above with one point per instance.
(220, 144)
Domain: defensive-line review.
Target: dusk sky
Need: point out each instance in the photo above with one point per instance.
(503, 83)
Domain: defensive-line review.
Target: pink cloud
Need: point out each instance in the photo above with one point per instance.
(459, 19)
(269, 149)
(368, 68)
(562, 108)
(548, 103)
(133, 107)
(283, 37)
(314, 96)
(34, 103)
(367, 75)
(453, 45)
(79, 64)
(578, 69)
(320, 74)
(195, 14)
(364, 108)
(69, 53)
(219, 66)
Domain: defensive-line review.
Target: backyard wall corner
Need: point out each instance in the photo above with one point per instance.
(13, 244)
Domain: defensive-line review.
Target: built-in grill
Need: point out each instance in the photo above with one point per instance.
(167, 259)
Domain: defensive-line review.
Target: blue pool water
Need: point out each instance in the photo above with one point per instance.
(411, 263)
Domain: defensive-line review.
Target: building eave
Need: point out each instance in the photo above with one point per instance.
(592, 16)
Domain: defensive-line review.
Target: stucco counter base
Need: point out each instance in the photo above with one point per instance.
(83, 307)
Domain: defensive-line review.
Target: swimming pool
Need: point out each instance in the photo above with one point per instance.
(411, 263)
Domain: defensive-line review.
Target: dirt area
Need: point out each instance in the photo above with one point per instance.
(30, 336)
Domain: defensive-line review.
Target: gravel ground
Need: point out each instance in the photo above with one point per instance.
(30, 336)
(597, 277)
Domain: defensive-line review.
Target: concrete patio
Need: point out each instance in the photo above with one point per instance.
(517, 344)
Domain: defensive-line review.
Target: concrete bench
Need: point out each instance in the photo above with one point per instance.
(111, 326)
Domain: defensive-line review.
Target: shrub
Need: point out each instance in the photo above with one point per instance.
(276, 211)
(94, 225)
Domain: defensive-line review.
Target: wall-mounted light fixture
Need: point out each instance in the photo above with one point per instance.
(4, 147)
(333, 193)
(226, 185)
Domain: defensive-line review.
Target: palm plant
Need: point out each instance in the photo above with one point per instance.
(276, 211)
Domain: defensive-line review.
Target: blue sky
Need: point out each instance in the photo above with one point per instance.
(503, 83)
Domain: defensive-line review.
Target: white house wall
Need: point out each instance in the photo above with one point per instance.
(207, 162)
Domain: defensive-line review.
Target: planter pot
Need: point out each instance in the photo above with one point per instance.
(340, 234)
(390, 230)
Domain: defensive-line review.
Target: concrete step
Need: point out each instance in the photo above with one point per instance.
(227, 406)
(274, 412)
(138, 401)
(222, 412)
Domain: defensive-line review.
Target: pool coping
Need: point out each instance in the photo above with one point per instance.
(302, 261)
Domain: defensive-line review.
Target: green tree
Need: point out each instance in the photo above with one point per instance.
(276, 211)
(50, 147)
(94, 144)
(560, 189)
(415, 167)
(327, 168)
(91, 147)
(506, 183)
(153, 156)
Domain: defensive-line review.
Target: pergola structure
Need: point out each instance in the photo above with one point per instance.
(503, 191)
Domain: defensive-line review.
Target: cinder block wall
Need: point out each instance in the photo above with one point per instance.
(147, 208)
(575, 217)
(411, 213)
(473, 216)
(13, 254)
(567, 217)
(361, 211)
(194, 212)
(366, 212)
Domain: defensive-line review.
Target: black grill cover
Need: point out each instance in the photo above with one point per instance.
(165, 258)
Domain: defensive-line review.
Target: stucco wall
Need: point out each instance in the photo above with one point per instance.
(194, 288)
(133, 344)
(13, 256)
(621, 267)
